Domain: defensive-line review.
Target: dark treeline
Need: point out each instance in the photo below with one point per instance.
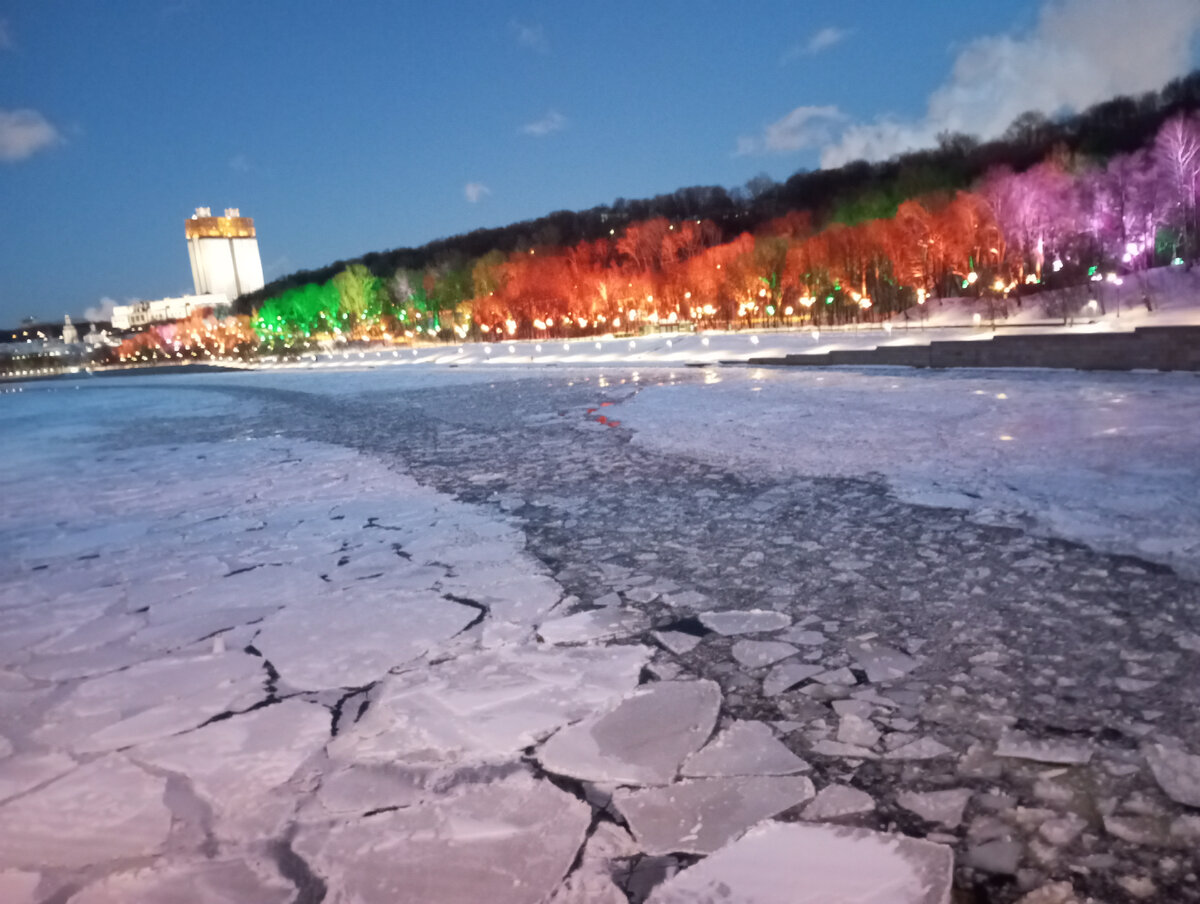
(850, 194)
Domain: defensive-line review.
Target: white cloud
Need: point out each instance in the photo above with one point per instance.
(804, 127)
(23, 133)
(551, 122)
(531, 36)
(1080, 52)
(101, 311)
(818, 41)
(475, 191)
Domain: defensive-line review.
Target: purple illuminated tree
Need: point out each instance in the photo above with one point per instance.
(1177, 153)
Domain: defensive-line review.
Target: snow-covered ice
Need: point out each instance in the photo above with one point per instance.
(749, 621)
(778, 863)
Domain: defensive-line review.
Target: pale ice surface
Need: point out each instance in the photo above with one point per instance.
(1044, 750)
(105, 810)
(944, 807)
(745, 621)
(204, 882)
(509, 842)
(836, 801)
(756, 654)
(1177, 773)
(744, 748)
(699, 816)
(777, 863)
(643, 740)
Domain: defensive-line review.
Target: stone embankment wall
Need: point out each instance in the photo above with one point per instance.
(1146, 348)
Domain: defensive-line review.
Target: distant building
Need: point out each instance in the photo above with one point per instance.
(69, 333)
(224, 253)
(143, 313)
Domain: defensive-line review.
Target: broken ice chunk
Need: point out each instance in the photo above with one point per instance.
(592, 625)
(1177, 773)
(849, 751)
(745, 621)
(487, 707)
(754, 654)
(804, 637)
(1019, 746)
(642, 740)
(744, 748)
(698, 817)
(506, 842)
(881, 662)
(836, 801)
(858, 731)
(678, 642)
(944, 807)
(792, 863)
(787, 675)
(103, 811)
(999, 856)
(920, 749)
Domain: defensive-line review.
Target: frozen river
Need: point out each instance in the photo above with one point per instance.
(599, 636)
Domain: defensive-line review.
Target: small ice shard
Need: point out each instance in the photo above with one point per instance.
(1069, 753)
(700, 816)
(1177, 773)
(106, 810)
(18, 886)
(943, 807)
(744, 748)
(881, 662)
(849, 751)
(745, 621)
(787, 675)
(504, 842)
(1054, 893)
(836, 801)
(804, 637)
(1134, 685)
(1062, 830)
(841, 676)
(641, 741)
(857, 731)
(755, 654)
(592, 625)
(999, 856)
(678, 642)
(920, 749)
(793, 863)
(205, 882)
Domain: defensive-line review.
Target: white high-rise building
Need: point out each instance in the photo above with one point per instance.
(224, 253)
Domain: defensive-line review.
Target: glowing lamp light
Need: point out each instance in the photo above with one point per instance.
(770, 310)
(1031, 279)
(972, 277)
(828, 299)
(998, 285)
(787, 312)
(485, 328)
(487, 350)
(512, 349)
(1177, 262)
(976, 319)
(566, 346)
(864, 303)
(1093, 304)
(539, 324)
(704, 341)
(1057, 265)
(537, 348)
(816, 334)
(687, 294)
(920, 296)
(511, 326)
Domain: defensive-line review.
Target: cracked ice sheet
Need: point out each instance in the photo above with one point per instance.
(643, 740)
(1120, 473)
(152, 700)
(506, 842)
(105, 810)
(238, 765)
(487, 707)
(789, 863)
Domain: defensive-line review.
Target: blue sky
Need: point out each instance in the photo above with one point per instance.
(349, 127)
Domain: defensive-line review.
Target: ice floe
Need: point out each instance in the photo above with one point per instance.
(745, 621)
(744, 748)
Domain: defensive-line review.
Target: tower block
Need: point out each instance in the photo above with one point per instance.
(224, 253)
